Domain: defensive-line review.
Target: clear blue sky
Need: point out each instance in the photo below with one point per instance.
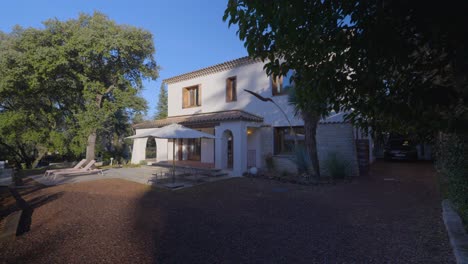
(188, 35)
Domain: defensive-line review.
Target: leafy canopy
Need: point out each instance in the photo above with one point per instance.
(400, 65)
(70, 80)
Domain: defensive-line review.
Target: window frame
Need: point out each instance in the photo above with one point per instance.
(231, 90)
(277, 137)
(197, 99)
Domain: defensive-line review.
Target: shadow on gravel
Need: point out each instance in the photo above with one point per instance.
(243, 220)
(28, 207)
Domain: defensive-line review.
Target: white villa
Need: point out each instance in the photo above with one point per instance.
(247, 130)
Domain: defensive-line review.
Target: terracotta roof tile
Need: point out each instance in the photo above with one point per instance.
(212, 69)
(188, 120)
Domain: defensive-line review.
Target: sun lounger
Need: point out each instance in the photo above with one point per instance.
(86, 170)
(79, 165)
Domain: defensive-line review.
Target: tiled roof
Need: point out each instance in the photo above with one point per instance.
(212, 69)
(188, 120)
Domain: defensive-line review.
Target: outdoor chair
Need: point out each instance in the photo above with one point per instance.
(78, 166)
(86, 170)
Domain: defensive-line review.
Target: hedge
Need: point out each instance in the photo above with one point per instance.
(452, 165)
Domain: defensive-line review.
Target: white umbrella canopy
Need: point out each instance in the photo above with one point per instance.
(173, 131)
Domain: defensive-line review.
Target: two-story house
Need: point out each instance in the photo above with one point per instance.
(247, 130)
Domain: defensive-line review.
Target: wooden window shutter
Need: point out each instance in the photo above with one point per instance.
(185, 97)
(228, 92)
(274, 86)
(231, 89)
(199, 95)
(234, 89)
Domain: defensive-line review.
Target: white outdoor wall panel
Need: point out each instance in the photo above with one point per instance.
(337, 138)
(240, 147)
(139, 147)
(207, 150)
(161, 148)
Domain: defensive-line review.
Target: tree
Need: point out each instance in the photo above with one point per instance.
(308, 37)
(398, 65)
(161, 108)
(35, 98)
(110, 61)
(411, 65)
(66, 84)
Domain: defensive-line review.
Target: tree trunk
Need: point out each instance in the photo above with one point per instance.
(42, 152)
(90, 148)
(310, 129)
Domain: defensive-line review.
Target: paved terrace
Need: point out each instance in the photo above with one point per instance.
(148, 175)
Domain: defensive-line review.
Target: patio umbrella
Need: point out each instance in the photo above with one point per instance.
(173, 131)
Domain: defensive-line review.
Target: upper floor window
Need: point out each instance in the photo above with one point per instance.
(231, 89)
(191, 96)
(281, 84)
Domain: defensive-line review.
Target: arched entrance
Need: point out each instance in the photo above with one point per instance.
(228, 149)
(150, 151)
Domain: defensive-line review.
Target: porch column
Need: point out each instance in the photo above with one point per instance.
(240, 150)
(218, 150)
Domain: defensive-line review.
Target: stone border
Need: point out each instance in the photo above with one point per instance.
(456, 232)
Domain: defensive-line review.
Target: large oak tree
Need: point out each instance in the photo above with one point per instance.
(65, 84)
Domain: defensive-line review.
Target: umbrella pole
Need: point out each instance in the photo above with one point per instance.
(173, 161)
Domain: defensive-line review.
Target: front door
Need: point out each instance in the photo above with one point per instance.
(230, 152)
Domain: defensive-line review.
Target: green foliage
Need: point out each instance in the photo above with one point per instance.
(302, 160)
(68, 81)
(395, 68)
(161, 110)
(336, 166)
(452, 165)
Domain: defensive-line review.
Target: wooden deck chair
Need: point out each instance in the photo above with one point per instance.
(79, 165)
(86, 170)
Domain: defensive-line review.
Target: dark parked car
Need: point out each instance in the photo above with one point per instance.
(400, 149)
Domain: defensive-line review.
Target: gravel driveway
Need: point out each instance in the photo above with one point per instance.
(240, 220)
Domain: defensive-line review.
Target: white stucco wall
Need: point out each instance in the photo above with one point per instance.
(213, 93)
(331, 138)
(207, 150)
(139, 147)
(161, 149)
(239, 132)
(337, 138)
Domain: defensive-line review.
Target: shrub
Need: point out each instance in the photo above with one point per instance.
(302, 160)
(452, 165)
(142, 162)
(336, 167)
(269, 162)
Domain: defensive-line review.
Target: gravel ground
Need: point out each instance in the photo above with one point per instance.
(240, 220)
